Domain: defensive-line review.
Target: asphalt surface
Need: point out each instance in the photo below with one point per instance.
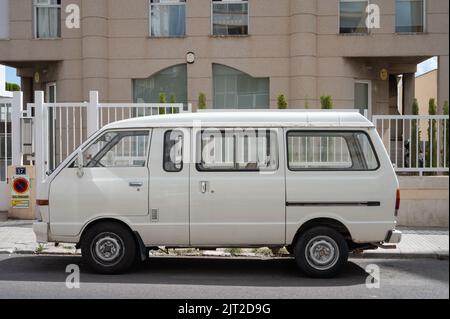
(27, 276)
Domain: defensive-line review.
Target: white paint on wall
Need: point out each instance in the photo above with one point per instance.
(4, 19)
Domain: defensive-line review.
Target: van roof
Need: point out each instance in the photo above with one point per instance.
(318, 119)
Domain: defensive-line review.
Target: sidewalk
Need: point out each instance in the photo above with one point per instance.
(17, 237)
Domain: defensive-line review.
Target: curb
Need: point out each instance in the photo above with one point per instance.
(438, 256)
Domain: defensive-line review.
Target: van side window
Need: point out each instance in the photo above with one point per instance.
(330, 151)
(118, 149)
(237, 150)
(173, 151)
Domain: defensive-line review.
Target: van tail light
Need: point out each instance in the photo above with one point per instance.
(397, 202)
(42, 202)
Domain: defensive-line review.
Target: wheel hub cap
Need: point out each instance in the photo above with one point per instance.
(322, 252)
(107, 248)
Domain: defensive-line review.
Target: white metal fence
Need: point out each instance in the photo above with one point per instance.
(46, 133)
(416, 143)
(5, 138)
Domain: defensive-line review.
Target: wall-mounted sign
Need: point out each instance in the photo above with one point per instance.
(20, 191)
(36, 77)
(21, 171)
(384, 74)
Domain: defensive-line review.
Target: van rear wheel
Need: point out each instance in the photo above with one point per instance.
(108, 248)
(321, 252)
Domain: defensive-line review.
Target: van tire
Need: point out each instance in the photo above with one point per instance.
(321, 252)
(108, 248)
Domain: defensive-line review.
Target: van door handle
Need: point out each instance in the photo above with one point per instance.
(203, 187)
(135, 184)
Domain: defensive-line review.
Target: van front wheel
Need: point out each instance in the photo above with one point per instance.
(108, 248)
(321, 252)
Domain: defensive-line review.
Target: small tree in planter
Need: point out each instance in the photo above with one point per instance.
(445, 109)
(326, 102)
(306, 103)
(415, 135)
(201, 101)
(281, 102)
(173, 100)
(162, 100)
(431, 153)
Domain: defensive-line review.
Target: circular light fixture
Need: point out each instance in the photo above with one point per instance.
(190, 57)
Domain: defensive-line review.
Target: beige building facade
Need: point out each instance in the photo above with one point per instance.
(240, 54)
(426, 88)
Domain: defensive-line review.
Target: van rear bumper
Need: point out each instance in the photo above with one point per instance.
(41, 231)
(393, 237)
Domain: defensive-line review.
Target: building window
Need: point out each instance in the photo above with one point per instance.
(410, 16)
(330, 151)
(229, 17)
(171, 81)
(363, 97)
(167, 18)
(352, 16)
(47, 19)
(234, 89)
(237, 150)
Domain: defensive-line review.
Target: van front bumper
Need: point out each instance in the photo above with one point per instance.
(393, 237)
(41, 231)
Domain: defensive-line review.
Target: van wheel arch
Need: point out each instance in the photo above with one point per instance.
(325, 222)
(142, 252)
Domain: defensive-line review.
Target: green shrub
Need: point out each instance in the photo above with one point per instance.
(415, 135)
(445, 109)
(201, 101)
(11, 87)
(326, 102)
(281, 102)
(173, 100)
(306, 103)
(162, 100)
(431, 152)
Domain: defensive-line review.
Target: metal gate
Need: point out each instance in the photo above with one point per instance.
(5, 150)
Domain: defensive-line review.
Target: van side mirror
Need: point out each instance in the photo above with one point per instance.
(79, 164)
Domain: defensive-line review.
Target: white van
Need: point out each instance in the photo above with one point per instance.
(318, 183)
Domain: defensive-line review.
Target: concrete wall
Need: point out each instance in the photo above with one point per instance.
(4, 19)
(424, 201)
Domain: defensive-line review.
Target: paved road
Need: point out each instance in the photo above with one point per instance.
(199, 277)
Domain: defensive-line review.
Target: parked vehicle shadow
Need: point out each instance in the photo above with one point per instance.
(271, 272)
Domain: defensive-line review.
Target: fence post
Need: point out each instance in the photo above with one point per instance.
(41, 138)
(16, 131)
(92, 113)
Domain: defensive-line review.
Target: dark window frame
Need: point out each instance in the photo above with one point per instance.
(166, 133)
(230, 34)
(351, 149)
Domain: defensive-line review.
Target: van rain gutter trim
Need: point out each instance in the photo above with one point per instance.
(305, 204)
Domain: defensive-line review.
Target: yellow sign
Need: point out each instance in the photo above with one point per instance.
(384, 74)
(37, 77)
(16, 203)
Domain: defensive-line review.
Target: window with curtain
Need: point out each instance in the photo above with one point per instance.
(234, 89)
(167, 18)
(352, 16)
(229, 17)
(47, 16)
(409, 16)
(171, 82)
